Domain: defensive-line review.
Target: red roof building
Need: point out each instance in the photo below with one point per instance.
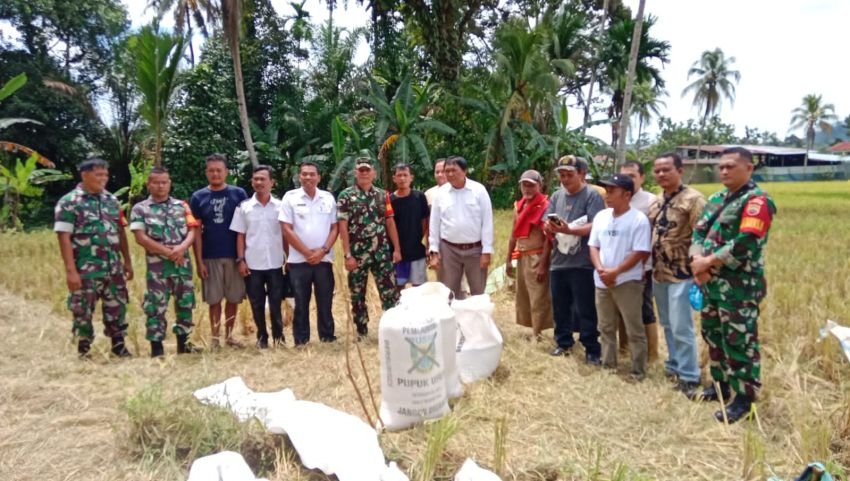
(840, 147)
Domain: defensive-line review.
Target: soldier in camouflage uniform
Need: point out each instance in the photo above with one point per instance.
(90, 227)
(165, 227)
(365, 217)
(728, 264)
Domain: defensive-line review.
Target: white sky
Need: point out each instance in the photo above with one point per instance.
(784, 50)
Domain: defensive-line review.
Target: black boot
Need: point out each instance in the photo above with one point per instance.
(119, 348)
(362, 330)
(156, 349)
(185, 346)
(739, 408)
(83, 347)
(710, 393)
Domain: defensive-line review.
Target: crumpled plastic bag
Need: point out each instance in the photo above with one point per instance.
(470, 471)
(842, 333)
(223, 466)
(479, 342)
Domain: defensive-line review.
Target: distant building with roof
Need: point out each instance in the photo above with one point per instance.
(840, 148)
(774, 164)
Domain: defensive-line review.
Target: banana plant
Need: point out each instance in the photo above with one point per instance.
(139, 171)
(23, 180)
(349, 142)
(406, 119)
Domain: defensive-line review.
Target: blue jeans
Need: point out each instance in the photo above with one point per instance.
(574, 308)
(674, 312)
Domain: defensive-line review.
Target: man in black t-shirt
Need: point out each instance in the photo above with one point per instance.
(215, 249)
(411, 219)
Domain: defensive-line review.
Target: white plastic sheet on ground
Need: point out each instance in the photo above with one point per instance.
(842, 333)
(234, 395)
(479, 342)
(325, 438)
(223, 466)
(470, 471)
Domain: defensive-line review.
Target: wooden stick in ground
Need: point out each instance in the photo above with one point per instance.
(348, 371)
(369, 385)
(722, 402)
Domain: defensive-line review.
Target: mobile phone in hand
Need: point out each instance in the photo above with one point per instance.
(554, 219)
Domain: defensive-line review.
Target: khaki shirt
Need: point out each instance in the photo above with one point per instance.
(672, 228)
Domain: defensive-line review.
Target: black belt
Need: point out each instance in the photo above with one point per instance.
(463, 247)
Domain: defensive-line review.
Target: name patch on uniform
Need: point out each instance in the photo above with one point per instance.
(756, 218)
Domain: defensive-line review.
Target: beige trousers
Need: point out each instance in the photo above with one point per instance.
(622, 302)
(533, 298)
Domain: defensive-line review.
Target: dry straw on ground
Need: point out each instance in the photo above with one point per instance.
(68, 419)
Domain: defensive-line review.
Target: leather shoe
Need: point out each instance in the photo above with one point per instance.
(710, 393)
(690, 389)
(737, 409)
(561, 351)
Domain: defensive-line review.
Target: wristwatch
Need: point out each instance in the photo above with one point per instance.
(239, 259)
(326, 249)
(347, 255)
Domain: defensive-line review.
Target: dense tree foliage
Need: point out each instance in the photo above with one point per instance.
(492, 81)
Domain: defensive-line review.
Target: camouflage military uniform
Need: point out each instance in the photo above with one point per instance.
(168, 223)
(732, 296)
(94, 221)
(366, 213)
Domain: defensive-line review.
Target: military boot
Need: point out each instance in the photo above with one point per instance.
(362, 331)
(156, 349)
(736, 410)
(83, 347)
(185, 346)
(709, 393)
(119, 348)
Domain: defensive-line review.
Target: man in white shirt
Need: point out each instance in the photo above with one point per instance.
(461, 230)
(440, 177)
(619, 244)
(260, 254)
(643, 201)
(309, 225)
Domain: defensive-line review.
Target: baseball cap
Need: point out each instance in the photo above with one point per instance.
(571, 162)
(619, 180)
(531, 176)
(363, 162)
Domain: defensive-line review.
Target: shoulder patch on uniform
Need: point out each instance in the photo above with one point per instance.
(756, 216)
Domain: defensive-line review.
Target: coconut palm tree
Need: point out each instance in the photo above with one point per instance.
(646, 104)
(616, 56)
(813, 112)
(715, 82)
(630, 83)
(228, 14)
(184, 12)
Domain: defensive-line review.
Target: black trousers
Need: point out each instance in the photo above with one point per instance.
(262, 285)
(304, 278)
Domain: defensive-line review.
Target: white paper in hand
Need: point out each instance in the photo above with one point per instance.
(569, 244)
